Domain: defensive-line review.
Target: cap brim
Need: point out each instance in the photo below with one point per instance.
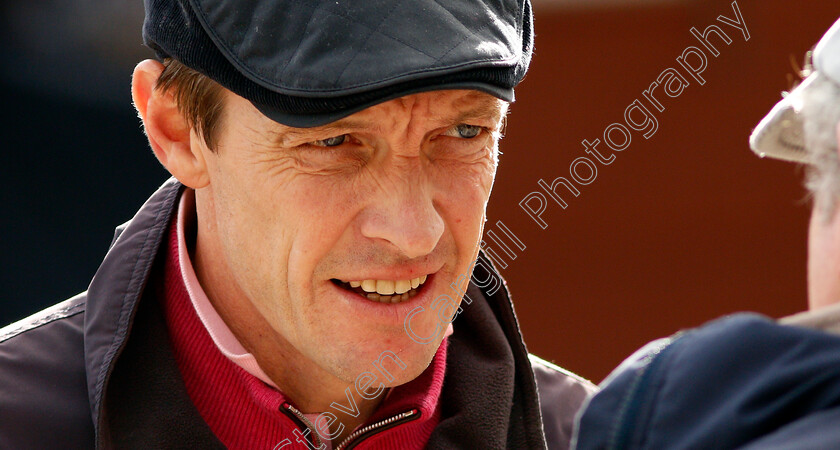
(780, 133)
(315, 120)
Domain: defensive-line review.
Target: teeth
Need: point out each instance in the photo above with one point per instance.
(401, 287)
(368, 285)
(385, 287)
(389, 287)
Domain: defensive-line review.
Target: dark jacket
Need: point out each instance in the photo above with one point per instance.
(739, 382)
(98, 370)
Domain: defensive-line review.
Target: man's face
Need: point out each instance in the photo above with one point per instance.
(391, 194)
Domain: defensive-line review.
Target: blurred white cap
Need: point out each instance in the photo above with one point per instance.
(780, 134)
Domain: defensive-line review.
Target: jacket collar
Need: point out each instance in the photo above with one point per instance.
(116, 287)
(502, 410)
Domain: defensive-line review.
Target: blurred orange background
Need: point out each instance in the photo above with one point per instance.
(682, 227)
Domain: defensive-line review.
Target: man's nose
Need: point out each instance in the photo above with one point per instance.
(407, 218)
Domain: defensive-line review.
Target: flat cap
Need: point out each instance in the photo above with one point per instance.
(307, 63)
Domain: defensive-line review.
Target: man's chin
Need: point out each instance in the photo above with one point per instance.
(393, 342)
(390, 365)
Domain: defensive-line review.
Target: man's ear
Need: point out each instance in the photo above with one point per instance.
(169, 133)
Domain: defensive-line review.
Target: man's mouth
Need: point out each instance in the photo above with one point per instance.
(384, 291)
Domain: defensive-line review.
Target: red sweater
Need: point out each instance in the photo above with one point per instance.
(245, 413)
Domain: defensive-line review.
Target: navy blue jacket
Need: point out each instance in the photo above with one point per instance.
(739, 382)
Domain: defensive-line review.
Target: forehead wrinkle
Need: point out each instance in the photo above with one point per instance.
(467, 102)
(474, 105)
(455, 109)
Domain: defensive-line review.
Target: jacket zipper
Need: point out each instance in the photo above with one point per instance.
(363, 433)
(304, 423)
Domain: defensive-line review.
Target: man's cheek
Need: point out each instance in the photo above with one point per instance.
(481, 183)
(470, 193)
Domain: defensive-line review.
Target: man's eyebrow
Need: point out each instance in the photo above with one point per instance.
(480, 109)
(484, 109)
(290, 134)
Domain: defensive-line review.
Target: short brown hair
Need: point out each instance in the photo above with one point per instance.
(198, 98)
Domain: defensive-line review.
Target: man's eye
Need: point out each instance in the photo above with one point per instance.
(464, 131)
(334, 141)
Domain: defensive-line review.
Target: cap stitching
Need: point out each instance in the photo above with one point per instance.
(367, 38)
(293, 54)
(382, 33)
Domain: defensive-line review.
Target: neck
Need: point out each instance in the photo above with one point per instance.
(309, 387)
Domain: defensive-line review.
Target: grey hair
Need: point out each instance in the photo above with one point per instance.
(821, 114)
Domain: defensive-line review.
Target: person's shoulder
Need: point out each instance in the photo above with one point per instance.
(561, 395)
(59, 312)
(552, 375)
(704, 387)
(43, 383)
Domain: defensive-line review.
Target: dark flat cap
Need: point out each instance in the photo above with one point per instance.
(306, 63)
